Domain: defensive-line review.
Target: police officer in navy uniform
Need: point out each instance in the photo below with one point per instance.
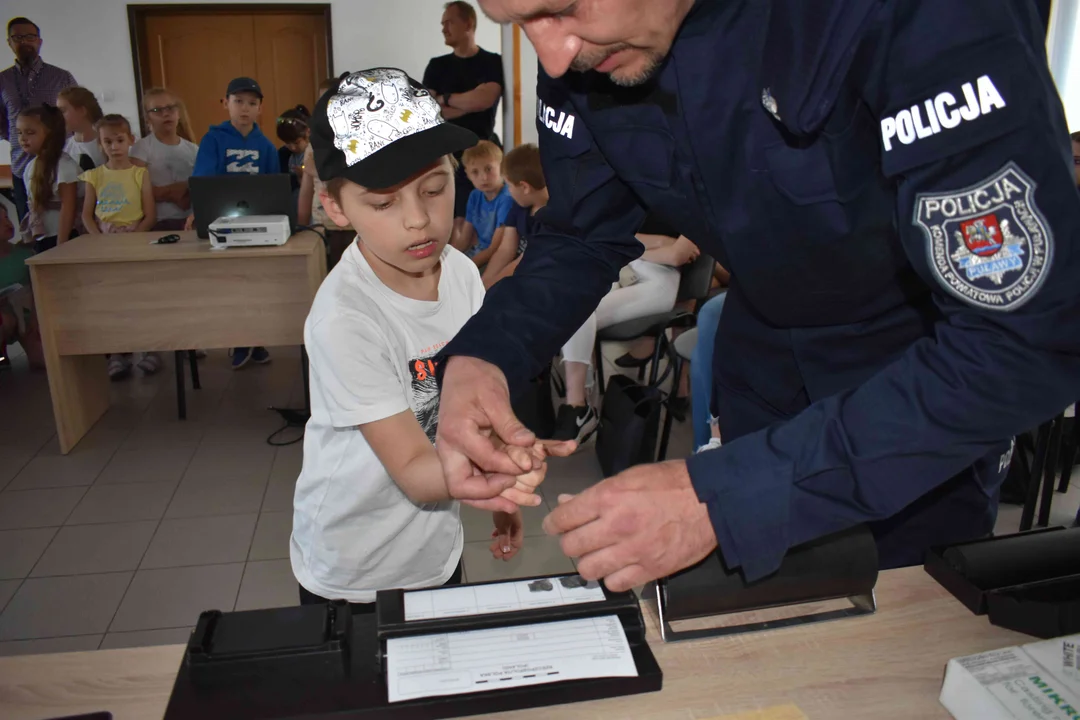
(889, 182)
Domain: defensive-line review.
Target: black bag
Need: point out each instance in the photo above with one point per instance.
(533, 406)
(629, 419)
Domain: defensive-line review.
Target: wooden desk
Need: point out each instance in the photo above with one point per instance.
(101, 294)
(888, 665)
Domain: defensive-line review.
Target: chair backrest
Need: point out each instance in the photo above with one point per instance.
(696, 279)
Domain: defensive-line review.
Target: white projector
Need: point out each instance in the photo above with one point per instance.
(249, 231)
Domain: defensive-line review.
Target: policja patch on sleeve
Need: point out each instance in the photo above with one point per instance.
(988, 244)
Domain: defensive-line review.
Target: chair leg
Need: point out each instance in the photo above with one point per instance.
(1069, 451)
(1042, 439)
(658, 350)
(181, 399)
(665, 435)
(305, 372)
(193, 363)
(598, 362)
(1049, 470)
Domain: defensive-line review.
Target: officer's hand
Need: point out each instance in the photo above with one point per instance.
(474, 416)
(637, 526)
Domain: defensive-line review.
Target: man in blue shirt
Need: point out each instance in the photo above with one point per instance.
(890, 185)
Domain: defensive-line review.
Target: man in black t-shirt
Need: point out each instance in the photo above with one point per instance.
(467, 83)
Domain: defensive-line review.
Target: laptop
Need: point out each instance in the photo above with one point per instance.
(236, 195)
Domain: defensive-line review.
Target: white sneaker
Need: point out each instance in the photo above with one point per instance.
(711, 445)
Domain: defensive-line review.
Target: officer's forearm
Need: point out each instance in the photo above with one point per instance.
(866, 454)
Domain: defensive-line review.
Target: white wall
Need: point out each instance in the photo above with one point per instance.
(90, 38)
(1063, 53)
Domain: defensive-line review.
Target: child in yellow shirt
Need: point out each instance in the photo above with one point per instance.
(119, 194)
(119, 199)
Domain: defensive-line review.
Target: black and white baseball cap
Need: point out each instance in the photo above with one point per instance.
(379, 127)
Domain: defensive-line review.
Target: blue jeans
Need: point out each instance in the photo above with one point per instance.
(701, 363)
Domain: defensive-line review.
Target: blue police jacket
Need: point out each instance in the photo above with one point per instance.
(890, 183)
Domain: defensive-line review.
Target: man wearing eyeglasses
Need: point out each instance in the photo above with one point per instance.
(29, 82)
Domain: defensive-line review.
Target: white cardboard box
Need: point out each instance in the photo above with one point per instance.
(1038, 681)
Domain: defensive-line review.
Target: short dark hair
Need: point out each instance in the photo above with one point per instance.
(467, 11)
(522, 164)
(21, 21)
(1075, 137)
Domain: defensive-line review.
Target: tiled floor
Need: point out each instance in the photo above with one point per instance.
(151, 520)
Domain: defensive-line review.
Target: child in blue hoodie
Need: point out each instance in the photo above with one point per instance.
(238, 146)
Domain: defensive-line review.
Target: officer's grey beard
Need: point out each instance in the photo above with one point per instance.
(584, 63)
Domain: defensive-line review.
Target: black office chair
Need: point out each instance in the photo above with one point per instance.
(694, 284)
(181, 397)
(1052, 451)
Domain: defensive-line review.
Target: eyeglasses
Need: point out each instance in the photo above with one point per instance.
(163, 109)
(23, 38)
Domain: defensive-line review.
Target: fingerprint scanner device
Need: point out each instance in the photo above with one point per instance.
(843, 566)
(249, 231)
(1028, 582)
(443, 652)
(214, 197)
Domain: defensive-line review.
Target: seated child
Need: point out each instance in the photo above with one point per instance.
(488, 205)
(371, 509)
(17, 322)
(525, 180)
(238, 146)
(120, 199)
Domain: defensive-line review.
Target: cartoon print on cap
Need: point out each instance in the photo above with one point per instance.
(376, 107)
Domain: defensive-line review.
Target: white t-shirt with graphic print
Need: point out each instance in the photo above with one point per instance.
(371, 352)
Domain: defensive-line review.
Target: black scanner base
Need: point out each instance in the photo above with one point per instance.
(312, 684)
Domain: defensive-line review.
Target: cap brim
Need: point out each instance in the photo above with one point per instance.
(403, 158)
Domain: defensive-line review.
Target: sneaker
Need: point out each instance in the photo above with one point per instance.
(240, 357)
(260, 356)
(200, 354)
(119, 366)
(150, 363)
(711, 445)
(575, 423)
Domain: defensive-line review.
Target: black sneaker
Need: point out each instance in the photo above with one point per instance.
(575, 423)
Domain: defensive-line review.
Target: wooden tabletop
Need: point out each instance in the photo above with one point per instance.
(137, 247)
(889, 665)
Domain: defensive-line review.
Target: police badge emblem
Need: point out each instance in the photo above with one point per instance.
(988, 244)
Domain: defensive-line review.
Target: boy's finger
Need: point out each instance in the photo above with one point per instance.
(525, 498)
(557, 448)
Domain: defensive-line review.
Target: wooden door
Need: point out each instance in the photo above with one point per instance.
(290, 52)
(196, 54)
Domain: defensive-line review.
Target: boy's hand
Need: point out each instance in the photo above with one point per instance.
(190, 222)
(522, 493)
(525, 488)
(508, 536)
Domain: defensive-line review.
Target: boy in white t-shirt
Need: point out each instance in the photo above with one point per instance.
(371, 509)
